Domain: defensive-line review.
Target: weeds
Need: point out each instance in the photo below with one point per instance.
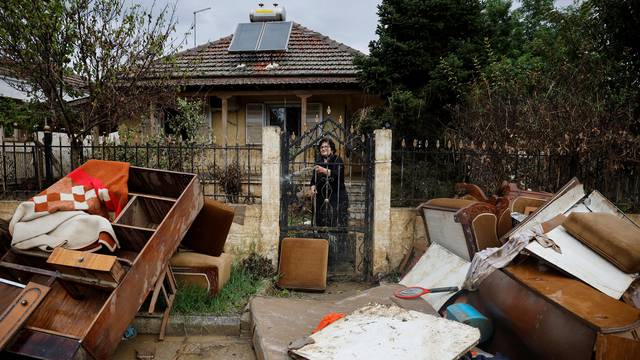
(254, 275)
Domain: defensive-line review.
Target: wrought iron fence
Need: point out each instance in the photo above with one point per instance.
(422, 170)
(228, 173)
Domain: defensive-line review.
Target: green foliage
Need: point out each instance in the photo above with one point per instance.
(98, 50)
(232, 298)
(188, 120)
(255, 274)
(425, 50)
(26, 115)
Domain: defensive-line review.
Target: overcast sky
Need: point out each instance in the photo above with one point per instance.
(352, 22)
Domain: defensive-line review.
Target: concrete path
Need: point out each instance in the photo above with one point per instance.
(186, 348)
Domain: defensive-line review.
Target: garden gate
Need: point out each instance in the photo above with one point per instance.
(349, 235)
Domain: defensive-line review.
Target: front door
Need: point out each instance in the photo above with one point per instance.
(286, 117)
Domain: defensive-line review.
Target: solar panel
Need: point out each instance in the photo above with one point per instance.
(275, 36)
(261, 36)
(246, 37)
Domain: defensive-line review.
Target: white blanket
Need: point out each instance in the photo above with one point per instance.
(46, 231)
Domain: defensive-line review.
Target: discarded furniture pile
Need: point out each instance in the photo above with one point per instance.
(88, 252)
(538, 276)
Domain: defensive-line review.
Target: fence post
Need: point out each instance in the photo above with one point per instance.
(48, 152)
(382, 201)
(270, 219)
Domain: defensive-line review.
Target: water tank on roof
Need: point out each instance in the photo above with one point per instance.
(264, 13)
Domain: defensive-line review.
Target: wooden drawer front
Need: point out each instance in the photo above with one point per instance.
(85, 264)
(20, 310)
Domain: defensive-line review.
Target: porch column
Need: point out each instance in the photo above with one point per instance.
(382, 202)
(303, 112)
(270, 219)
(225, 113)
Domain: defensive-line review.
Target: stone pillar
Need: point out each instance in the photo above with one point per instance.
(382, 201)
(270, 221)
(225, 113)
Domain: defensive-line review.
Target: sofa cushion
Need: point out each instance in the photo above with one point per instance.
(616, 239)
(208, 233)
(195, 261)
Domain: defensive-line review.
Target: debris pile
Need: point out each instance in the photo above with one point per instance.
(88, 252)
(540, 275)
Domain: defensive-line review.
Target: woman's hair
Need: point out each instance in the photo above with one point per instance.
(328, 141)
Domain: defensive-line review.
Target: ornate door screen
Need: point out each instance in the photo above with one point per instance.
(340, 208)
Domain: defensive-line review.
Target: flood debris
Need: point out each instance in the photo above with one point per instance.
(390, 332)
(557, 280)
(112, 228)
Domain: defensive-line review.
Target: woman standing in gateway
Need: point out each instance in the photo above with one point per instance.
(331, 202)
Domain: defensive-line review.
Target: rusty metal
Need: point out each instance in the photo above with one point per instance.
(110, 310)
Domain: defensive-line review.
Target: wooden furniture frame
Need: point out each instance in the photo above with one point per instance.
(89, 324)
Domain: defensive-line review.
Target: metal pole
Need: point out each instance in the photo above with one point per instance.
(194, 24)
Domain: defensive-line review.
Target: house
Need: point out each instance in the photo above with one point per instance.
(292, 85)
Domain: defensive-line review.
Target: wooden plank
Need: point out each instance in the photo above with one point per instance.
(63, 314)
(103, 267)
(81, 259)
(164, 198)
(19, 311)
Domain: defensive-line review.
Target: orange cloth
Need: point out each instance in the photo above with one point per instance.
(97, 187)
(327, 320)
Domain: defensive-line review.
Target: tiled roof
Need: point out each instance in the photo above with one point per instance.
(311, 58)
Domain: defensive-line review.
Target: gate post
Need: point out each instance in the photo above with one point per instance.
(270, 219)
(382, 201)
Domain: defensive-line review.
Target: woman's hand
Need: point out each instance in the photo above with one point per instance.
(313, 190)
(322, 170)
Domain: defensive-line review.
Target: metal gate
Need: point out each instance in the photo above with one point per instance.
(341, 214)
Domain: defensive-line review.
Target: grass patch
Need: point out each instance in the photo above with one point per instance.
(231, 300)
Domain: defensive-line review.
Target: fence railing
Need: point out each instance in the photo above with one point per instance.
(426, 170)
(228, 173)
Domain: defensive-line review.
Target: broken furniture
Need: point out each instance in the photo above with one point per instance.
(89, 323)
(210, 229)
(538, 313)
(165, 286)
(568, 253)
(303, 264)
(205, 271)
(449, 222)
(203, 262)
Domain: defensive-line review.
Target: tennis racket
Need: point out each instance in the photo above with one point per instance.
(416, 291)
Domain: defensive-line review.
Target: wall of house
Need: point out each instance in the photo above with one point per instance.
(236, 123)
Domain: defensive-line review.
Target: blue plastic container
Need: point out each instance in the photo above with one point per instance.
(468, 315)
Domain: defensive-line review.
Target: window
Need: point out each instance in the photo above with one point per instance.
(254, 120)
(314, 114)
